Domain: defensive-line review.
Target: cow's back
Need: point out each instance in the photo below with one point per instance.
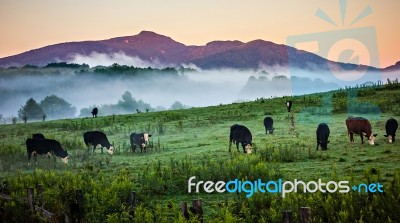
(134, 137)
(240, 133)
(92, 137)
(391, 126)
(322, 131)
(42, 146)
(268, 122)
(358, 125)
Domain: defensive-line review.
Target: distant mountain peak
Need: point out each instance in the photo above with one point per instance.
(146, 33)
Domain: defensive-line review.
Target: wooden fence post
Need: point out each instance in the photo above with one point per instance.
(4, 188)
(81, 207)
(305, 215)
(287, 216)
(133, 203)
(292, 122)
(196, 203)
(31, 201)
(39, 195)
(184, 210)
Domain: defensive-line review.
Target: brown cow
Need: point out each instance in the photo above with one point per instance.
(361, 126)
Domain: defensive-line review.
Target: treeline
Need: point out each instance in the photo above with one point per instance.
(86, 69)
(52, 107)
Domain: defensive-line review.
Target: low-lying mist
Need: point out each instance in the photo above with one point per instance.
(195, 88)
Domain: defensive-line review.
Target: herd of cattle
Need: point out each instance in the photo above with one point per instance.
(38, 144)
(239, 134)
(355, 125)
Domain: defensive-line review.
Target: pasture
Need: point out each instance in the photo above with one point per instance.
(194, 142)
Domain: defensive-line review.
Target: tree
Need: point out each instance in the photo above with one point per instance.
(31, 110)
(56, 107)
(177, 105)
(128, 103)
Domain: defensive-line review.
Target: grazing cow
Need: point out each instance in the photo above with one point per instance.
(140, 139)
(322, 136)
(240, 134)
(38, 136)
(269, 125)
(391, 128)
(361, 126)
(97, 138)
(94, 112)
(288, 105)
(45, 146)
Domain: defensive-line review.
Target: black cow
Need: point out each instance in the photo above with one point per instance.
(94, 112)
(269, 125)
(288, 105)
(45, 146)
(391, 128)
(38, 136)
(322, 136)
(240, 134)
(140, 139)
(361, 126)
(95, 138)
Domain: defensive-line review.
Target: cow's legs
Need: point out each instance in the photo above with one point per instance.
(94, 147)
(237, 146)
(362, 138)
(317, 145)
(351, 137)
(35, 157)
(244, 148)
(230, 145)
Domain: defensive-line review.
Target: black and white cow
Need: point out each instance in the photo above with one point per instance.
(94, 112)
(391, 128)
(45, 147)
(95, 138)
(240, 134)
(269, 125)
(139, 139)
(322, 136)
(38, 136)
(289, 105)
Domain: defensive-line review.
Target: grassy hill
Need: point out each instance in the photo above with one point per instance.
(194, 142)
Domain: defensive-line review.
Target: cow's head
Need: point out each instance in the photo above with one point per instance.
(371, 138)
(248, 148)
(65, 159)
(146, 137)
(390, 138)
(110, 150)
(324, 144)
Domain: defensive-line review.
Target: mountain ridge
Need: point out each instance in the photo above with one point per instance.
(149, 46)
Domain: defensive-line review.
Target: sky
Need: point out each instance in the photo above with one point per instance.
(31, 24)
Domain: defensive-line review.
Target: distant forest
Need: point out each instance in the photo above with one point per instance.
(85, 69)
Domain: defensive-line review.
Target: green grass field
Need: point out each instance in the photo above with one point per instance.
(194, 142)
